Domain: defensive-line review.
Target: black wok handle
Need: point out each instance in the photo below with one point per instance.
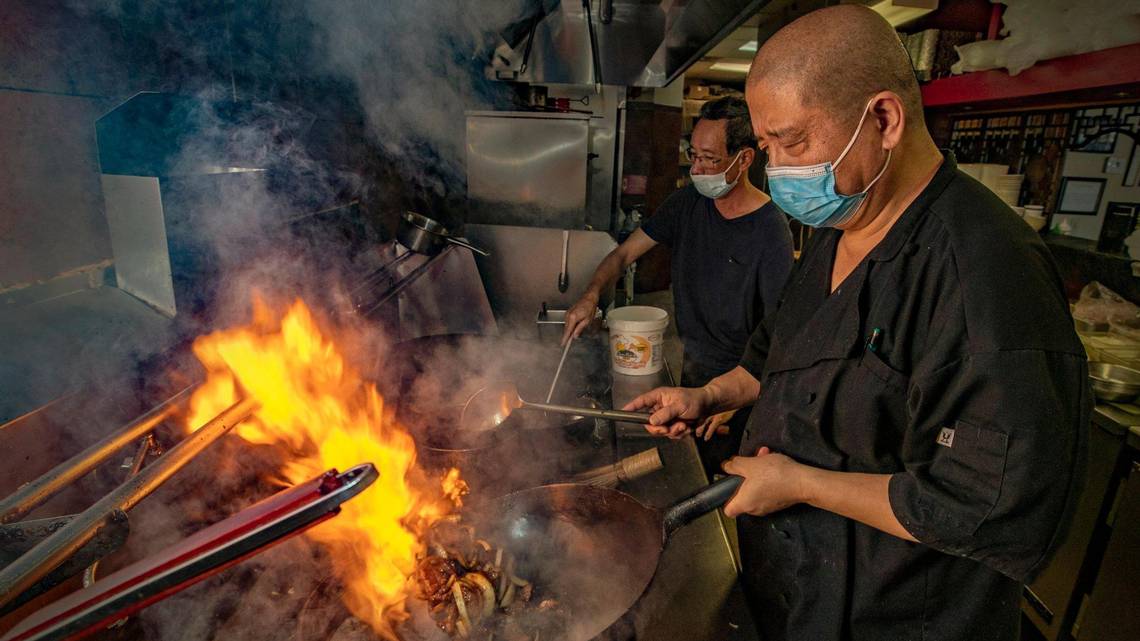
(704, 501)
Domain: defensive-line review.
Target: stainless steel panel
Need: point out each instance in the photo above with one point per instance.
(603, 149)
(646, 44)
(450, 299)
(1112, 613)
(527, 168)
(51, 219)
(1055, 587)
(133, 205)
(522, 272)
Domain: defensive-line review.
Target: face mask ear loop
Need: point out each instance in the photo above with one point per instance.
(851, 143)
(865, 191)
(727, 169)
(880, 174)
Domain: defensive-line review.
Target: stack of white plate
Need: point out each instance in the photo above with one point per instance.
(991, 172)
(1008, 188)
(973, 170)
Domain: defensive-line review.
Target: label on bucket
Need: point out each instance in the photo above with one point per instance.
(635, 351)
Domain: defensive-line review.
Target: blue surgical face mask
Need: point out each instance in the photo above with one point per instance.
(808, 193)
(716, 185)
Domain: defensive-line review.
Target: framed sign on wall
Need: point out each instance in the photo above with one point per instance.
(1080, 196)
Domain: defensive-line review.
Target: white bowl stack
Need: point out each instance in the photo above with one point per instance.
(1034, 215)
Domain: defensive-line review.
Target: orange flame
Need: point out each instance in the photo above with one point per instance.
(318, 408)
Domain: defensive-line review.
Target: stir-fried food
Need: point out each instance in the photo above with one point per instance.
(473, 590)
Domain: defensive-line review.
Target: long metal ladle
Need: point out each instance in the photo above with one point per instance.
(487, 408)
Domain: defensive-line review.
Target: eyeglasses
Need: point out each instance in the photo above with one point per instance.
(702, 159)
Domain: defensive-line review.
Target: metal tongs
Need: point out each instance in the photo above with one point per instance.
(211, 550)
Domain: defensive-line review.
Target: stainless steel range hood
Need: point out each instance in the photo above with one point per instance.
(641, 43)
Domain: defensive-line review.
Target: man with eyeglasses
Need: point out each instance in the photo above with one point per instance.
(731, 254)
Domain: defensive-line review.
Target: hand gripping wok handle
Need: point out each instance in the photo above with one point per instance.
(701, 503)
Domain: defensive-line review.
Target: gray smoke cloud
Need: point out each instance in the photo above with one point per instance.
(412, 64)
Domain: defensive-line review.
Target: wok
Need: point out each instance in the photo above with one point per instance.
(593, 549)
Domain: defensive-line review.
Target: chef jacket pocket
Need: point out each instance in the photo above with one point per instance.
(969, 465)
(884, 372)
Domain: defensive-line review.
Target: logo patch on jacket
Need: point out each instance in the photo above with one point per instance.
(946, 437)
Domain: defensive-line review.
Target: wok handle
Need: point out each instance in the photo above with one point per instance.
(704, 501)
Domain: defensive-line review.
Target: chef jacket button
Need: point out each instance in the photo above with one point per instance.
(810, 398)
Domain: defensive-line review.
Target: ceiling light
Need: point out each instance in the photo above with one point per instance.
(734, 67)
(899, 12)
(750, 47)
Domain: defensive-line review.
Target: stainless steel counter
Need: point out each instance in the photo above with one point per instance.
(1120, 419)
(695, 594)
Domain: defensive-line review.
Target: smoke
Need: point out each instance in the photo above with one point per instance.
(416, 66)
(410, 69)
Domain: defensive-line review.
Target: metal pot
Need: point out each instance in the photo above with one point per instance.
(1114, 382)
(425, 235)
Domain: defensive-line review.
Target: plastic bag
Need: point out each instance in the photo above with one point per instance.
(1043, 29)
(1099, 304)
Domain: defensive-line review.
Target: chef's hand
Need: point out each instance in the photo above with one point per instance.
(715, 424)
(673, 409)
(772, 482)
(579, 316)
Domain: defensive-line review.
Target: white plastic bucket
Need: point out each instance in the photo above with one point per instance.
(637, 336)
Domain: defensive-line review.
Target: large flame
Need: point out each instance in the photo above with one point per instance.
(314, 405)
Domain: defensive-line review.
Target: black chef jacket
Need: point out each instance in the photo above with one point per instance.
(973, 396)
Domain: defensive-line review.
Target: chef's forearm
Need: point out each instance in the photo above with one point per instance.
(615, 263)
(731, 390)
(861, 497)
(607, 273)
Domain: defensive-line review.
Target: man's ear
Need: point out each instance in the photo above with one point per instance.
(747, 157)
(890, 118)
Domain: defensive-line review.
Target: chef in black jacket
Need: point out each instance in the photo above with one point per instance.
(917, 442)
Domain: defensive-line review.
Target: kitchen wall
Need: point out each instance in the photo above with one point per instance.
(1089, 165)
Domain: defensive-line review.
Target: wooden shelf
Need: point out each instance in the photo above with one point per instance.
(1094, 75)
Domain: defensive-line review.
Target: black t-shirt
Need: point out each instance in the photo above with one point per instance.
(727, 274)
(972, 395)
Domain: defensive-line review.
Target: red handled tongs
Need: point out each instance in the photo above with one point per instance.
(212, 550)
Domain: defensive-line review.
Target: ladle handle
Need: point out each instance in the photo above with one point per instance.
(589, 412)
(462, 242)
(704, 501)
